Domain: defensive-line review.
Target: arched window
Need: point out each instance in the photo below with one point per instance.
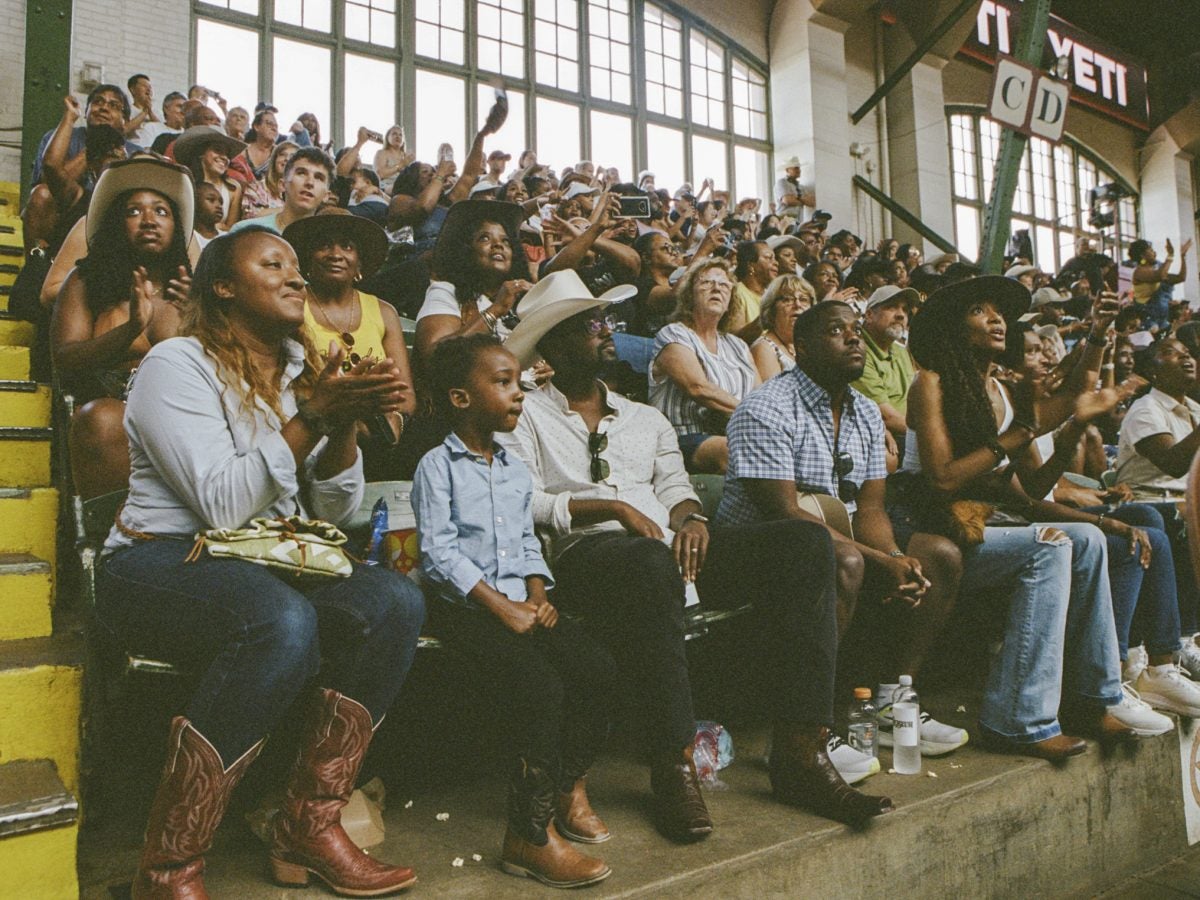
(1052, 197)
(627, 83)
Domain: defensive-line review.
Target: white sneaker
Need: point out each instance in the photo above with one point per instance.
(853, 765)
(1188, 656)
(1136, 714)
(1135, 663)
(1168, 688)
(937, 739)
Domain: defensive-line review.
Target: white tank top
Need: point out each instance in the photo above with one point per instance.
(912, 452)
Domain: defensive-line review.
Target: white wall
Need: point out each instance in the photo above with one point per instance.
(12, 84)
(128, 36)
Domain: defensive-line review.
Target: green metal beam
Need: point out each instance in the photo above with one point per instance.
(997, 222)
(902, 213)
(919, 51)
(47, 74)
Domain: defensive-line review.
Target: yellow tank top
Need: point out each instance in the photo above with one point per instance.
(368, 337)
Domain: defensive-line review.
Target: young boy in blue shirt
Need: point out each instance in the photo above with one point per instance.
(487, 582)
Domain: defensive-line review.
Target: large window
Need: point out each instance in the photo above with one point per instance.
(635, 84)
(1052, 198)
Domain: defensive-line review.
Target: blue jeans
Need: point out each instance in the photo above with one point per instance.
(1152, 590)
(1059, 639)
(257, 638)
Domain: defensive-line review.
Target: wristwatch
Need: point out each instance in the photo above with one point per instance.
(314, 420)
(695, 517)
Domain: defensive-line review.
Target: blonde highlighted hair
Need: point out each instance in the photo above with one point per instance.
(685, 292)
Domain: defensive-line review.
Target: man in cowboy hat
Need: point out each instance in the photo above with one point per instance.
(628, 541)
(790, 197)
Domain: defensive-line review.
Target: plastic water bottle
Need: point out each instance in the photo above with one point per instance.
(862, 724)
(906, 729)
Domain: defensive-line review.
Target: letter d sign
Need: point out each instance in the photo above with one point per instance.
(1049, 112)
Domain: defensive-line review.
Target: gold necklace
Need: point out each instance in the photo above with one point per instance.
(345, 335)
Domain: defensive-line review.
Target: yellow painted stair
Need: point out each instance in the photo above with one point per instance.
(41, 671)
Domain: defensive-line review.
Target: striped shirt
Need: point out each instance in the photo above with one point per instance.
(731, 369)
(784, 432)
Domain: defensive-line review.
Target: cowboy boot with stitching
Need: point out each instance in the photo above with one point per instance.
(682, 813)
(191, 799)
(308, 834)
(533, 847)
(802, 774)
(573, 814)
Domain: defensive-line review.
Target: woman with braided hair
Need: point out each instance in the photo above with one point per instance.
(1060, 641)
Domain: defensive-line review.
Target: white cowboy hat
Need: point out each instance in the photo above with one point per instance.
(149, 173)
(555, 298)
(792, 162)
(776, 241)
(578, 188)
(1018, 271)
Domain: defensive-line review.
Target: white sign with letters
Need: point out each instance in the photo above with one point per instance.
(1028, 100)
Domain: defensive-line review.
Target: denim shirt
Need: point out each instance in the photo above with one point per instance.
(476, 522)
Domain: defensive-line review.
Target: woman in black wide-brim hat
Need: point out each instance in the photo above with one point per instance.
(1060, 640)
(479, 272)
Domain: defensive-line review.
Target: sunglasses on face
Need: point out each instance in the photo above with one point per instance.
(597, 444)
(603, 323)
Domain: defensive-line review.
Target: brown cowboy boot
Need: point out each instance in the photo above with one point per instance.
(191, 800)
(532, 845)
(308, 830)
(682, 814)
(802, 774)
(575, 818)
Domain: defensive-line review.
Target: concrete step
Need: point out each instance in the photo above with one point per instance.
(38, 832)
(987, 826)
(28, 520)
(24, 404)
(26, 596)
(41, 683)
(24, 456)
(14, 361)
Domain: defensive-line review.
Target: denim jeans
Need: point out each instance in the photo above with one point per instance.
(1150, 591)
(257, 639)
(1059, 639)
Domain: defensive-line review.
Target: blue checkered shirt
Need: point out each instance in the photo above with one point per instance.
(784, 432)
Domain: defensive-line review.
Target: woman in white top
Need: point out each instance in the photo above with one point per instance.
(784, 299)
(391, 158)
(242, 419)
(700, 373)
(479, 273)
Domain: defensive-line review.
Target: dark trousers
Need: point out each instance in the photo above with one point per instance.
(258, 638)
(555, 686)
(631, 594)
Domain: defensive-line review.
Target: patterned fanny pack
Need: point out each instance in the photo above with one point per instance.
(292, 544)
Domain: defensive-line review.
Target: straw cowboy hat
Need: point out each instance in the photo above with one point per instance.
(554, 299)
(143, 173)
(369, 239)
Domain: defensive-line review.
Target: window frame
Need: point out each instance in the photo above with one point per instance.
(1078, 228)
(403, 55)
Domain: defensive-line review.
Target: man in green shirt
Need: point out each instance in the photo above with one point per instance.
(888, 373)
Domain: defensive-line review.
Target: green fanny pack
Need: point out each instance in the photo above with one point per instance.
(292, 544)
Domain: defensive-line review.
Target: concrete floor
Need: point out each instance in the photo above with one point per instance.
(1178, 878)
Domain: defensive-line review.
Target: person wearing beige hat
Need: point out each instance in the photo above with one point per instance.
(1023, 273)
(790, 198)
(888, 371)
(121, 298)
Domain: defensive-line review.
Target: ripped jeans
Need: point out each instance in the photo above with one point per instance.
(1060, 641)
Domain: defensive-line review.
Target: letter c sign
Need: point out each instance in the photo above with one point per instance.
(1028, 100)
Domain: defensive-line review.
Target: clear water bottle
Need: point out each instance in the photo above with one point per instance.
(906, 729)
(862, 724)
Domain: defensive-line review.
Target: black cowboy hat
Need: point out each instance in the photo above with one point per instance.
(936, 321)
(464, 215)
(310, 232)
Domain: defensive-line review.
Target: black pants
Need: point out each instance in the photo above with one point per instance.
(631, 594)
(555, 685)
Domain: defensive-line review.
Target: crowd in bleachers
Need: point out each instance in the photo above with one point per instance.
(254, 325)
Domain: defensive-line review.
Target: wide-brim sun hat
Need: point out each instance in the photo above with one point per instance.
(776, 241)
(189, 145)
(465, 215)
(143, 173)
(554, 299)
(936, 323)
(371, 241)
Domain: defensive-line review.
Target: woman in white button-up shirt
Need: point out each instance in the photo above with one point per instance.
(241, 419)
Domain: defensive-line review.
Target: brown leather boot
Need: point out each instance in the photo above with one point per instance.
(191, 800)
(308, 830)
(532, 846)
(682, 814)
(801, 773)
(575, 818)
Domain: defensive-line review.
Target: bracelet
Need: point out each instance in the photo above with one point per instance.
(1094, 341)
(1100, 520)
(997, 450)
(896, 553)
(489, 320)
(1107, 366)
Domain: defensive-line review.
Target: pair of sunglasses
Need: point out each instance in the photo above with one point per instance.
(596, 325)
(597, 444)
(843, 465)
